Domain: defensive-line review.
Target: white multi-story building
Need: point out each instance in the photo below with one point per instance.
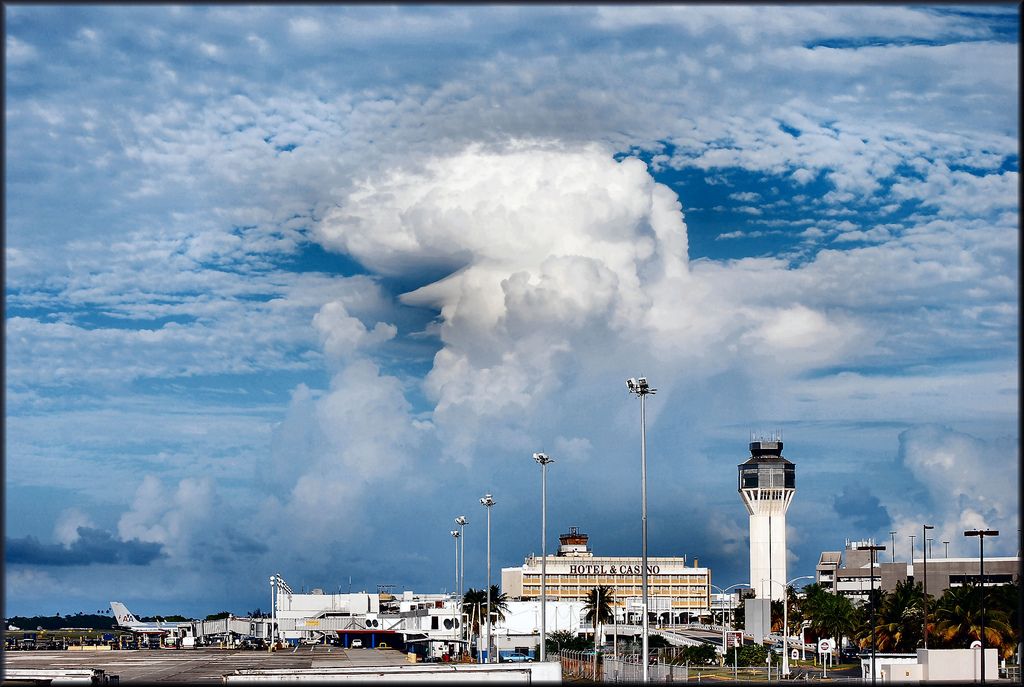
(677, 592)
(767, 482)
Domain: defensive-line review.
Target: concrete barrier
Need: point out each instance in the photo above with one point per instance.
(524, 673)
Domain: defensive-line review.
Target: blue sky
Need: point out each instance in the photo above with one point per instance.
(289, 288)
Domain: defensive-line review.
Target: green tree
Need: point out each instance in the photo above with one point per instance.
(218, 616)
(566, 640)
(598, 606)
(753, 655)
(474, 603)
(499, 604)
(830, 615)
(958, 620)
(899, 625)
(702, 655)
(778, 616)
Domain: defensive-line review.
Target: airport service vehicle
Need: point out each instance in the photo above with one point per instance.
(356, 644)
(516, 657)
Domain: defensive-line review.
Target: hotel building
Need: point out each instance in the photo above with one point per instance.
(677, 592)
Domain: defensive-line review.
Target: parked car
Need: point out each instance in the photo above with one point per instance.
(849, 653)
(516, 657)
(356, 644)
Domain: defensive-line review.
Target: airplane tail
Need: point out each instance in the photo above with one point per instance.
(123, 615)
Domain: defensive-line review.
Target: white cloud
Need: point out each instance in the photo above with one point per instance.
(971, 483)
(65, 531)
(18, 52)
(172, 517)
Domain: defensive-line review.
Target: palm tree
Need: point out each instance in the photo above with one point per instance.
(830, 615)
(472, 602)
(899, 623)
(499, 604)
(958, 621)
(777, 612)
(598, 606)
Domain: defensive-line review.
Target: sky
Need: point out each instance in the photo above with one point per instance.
(289, 288)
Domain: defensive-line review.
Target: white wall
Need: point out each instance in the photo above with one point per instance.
(958, 664)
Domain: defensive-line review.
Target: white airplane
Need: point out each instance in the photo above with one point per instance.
(127, 620)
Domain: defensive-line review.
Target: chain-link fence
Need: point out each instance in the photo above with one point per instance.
(629, 669)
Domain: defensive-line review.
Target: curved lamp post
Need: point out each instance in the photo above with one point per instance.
(726, 591)
(785, 618)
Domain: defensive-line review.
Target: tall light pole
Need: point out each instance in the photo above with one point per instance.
(642, 389)
(981, 534)
(912, 537)
(544, 461)
(871, 595)
(892, 536)
(785, 617)
(457, 599)
(273, 609)
(946, 544)
(924, 539)
(461, 521)
(487, 502)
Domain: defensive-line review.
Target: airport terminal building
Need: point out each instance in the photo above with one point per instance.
(848, 572)
(678, 593)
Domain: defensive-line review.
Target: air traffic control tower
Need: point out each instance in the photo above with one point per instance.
(767, 482)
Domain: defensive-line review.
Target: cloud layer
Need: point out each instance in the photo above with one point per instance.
(305, 282)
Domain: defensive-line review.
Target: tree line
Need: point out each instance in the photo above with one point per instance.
(954, 618)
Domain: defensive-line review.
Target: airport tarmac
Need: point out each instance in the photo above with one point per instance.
(199, 665)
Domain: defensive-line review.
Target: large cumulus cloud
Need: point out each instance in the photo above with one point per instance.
(560, 258)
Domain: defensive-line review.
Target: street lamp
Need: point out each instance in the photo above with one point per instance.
(946, 544)
(981, 534)
(461, 521)
(726, 591)
(544, 461)
(785, 618)
(458, 599)
(892, 536)
(641, 388)
(872, 548)
(273, 609)
(924, 538)
(487, 502)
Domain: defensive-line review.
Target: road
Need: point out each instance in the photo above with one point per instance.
(199, 665)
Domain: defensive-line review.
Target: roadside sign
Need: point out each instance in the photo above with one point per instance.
(824, 646)
(794, 654)
(733, 639)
